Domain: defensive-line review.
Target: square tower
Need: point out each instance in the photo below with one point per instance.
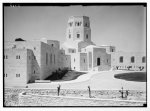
(78, 28)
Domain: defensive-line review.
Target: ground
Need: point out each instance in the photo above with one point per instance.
(103, 85)
(96, 80)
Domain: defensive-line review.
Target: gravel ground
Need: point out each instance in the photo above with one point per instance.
(11, 95)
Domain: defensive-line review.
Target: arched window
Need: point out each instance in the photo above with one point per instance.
(143, 59)
(121, 59)
(98, 62)
(132, 59)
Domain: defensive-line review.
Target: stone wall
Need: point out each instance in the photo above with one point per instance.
(15, 69)
(45, 100)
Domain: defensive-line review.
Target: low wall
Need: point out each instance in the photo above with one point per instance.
(12, 95)
(44, 100)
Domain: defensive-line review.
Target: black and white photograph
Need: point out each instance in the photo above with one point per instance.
(74, 54)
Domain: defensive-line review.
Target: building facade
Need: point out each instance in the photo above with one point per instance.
(27, 61)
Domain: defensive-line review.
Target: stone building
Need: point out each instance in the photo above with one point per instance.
(46, 58)
(27, 61)
(85, 55)
(20, 67)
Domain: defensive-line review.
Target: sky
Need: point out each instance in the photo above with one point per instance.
(120, 26)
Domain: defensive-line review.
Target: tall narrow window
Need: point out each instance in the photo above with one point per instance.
(69, 35)
(74, 60)
(98, 61)
(84, 60)
(121, 59)
(51, 58)
(132, 59)
(78, 35)
(86, 36)
(143, 59)
(54, 58)
(46, 58)
(112, 50)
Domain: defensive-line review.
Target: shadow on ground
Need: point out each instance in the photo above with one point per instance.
(132, 76)
(70, 75)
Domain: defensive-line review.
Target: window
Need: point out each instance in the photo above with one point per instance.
(70, 24)
(52, 45)
(18, 57)
(51, 58)
(78, 35)
(17, 75)
(74, 67)
(34, 71)
(5, 75)
(107, 60)
(74, 60)
(87, 36)
(132, 59)
(98, 61)
(5, 57)
(86, 24)
(34, 48)
(121, 59)
(84, 60)
(69, 35)
(46, 58)
(54, 58)
(29, 57)
(78, 24)
(112, 50)
(143, 59)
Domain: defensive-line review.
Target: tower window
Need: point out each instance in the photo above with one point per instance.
(74, 60)
(98, 61)
(112, 50)
(121, 59)
(78, 35)
(132, 59)
(52, 45)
